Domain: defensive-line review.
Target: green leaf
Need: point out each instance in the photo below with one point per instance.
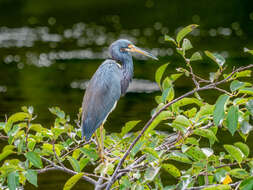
(31, 176)
(246, 73)
(232, 119)
(234, 152)
(180, 157)
(162, 116)
(219, 109)
(243, 147)
(205, 133)
(190, 113)
(181, 123)
(174, 77)
(217, 58)
(235, 85)
(182, 33)
(109, 168)
(247, 184)
(168, 94)
(90, 153)
(74, 163)
(37, 127)
(20, 116)
(249, 106)
(218, 187)
(151, 151)
(207, 151)
(204, 111)
(57, 111)
(196, 57)
(246, 50)
(12, 180)
(83, 162)
(34, 158)
(72, 181)
(167, 83)
(186, 101)
(239, 173)
(246, 127)
(4, 154)
(169, 39)
(220, 174)
(191, 140)
(246, 91)
(196, 153)
(171, 169)
(128, 127)
(76, 153)
(124, 183)
(159, 73)
(213, 76)
(186, 45)
(136, 148)
(151, 173)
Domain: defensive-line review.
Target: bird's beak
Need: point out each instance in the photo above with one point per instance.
(133, 48)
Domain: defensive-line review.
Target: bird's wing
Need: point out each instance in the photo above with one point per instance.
(103, 91)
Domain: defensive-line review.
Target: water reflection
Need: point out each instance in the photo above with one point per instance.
(3, 89)
(136, 86)
(89, 41)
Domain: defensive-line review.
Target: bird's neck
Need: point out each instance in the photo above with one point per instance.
(128, 70)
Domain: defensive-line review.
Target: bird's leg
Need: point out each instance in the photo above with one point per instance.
(100, 143)
(102, 140)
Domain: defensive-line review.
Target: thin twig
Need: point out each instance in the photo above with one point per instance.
(57, 158)
(222, 90)
(193, 75)
(214, 185)
(64, 169)
(3, 137)
(76, 147)
(44, 170)
(201, 79)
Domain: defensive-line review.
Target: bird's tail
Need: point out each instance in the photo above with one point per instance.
(86, 133)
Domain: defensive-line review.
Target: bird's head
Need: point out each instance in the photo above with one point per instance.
(122, 48)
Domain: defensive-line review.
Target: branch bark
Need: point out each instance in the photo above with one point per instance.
(64, 169)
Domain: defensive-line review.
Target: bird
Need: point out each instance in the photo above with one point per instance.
(107, 85)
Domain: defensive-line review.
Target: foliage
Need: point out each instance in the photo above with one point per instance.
(138, 159)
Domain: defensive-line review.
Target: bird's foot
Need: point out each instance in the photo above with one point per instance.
(105, 158)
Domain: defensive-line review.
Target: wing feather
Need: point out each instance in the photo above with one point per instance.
(103, 92)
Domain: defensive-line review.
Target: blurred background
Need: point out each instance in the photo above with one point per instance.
(50, 49)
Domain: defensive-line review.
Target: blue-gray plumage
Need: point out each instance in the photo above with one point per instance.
(109, 82)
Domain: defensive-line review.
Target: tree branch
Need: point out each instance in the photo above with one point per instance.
(207, 87)
(215, 185)
(64, 169)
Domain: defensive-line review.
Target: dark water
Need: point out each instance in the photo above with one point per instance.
(49, 49)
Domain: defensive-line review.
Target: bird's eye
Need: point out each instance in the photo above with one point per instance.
(122, 49)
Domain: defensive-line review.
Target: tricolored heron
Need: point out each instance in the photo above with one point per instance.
(109, 82)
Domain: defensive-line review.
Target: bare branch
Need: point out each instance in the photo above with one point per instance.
(44, 170)
(3, 137)
(193, 75)
(76, 147)
(57, 158)
(222, 90)
(64, 169)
